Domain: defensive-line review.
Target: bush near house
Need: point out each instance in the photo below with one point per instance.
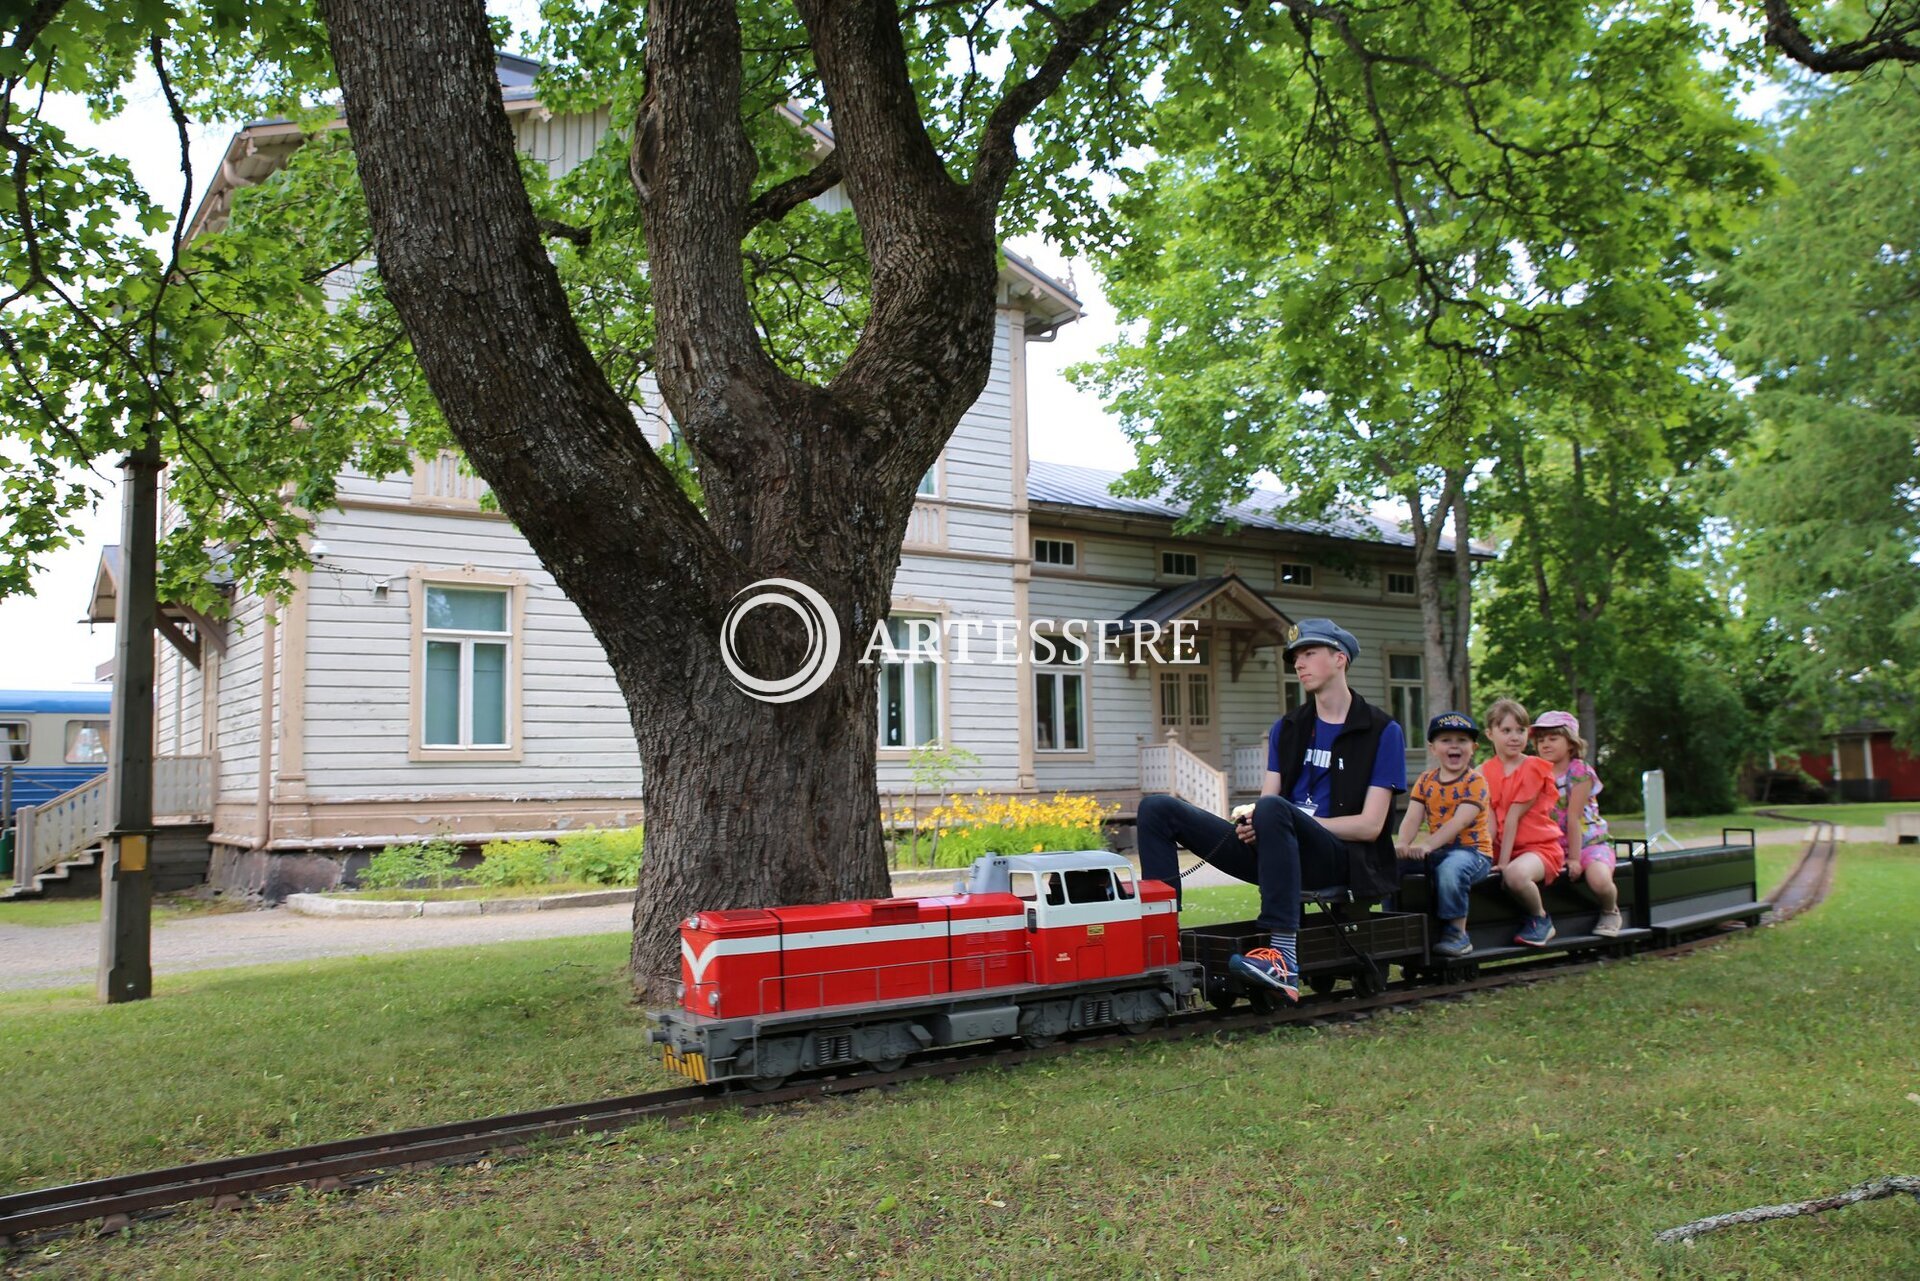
(966, 827)
(592, 857)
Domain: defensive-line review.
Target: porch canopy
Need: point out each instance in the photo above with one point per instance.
(183, 626)
(1239, 618)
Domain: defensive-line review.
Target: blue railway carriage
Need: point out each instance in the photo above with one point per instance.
(51, 741)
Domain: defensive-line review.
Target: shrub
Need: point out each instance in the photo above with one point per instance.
(610, 857)
(429, 863)
(517, 863)
(967, 827)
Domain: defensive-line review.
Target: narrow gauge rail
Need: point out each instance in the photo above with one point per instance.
(332, 1165)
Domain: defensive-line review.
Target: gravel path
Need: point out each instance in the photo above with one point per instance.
(64, 955)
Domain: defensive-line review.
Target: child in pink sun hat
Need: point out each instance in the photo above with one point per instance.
(1556, 738)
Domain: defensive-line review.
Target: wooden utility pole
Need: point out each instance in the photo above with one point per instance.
(126, 877)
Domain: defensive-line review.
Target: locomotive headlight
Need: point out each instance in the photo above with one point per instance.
(680, 990)
(713, 1000)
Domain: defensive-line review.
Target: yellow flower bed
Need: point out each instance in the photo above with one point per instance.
(967, 826)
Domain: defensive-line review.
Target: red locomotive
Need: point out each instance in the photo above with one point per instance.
(1034, 946)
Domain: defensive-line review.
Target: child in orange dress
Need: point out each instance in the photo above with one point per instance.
(1529, 852)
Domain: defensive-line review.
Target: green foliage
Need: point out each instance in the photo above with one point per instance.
(1825, 506)
(422, 863)
(602, 857)
(516, 863)
(1346, 265)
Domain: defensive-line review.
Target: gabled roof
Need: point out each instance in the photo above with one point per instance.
(1170, 603)
(1090, 489)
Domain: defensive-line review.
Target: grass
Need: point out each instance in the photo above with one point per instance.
(81, 911)
(476, 891)
(1873, 814)
(1547, 1131)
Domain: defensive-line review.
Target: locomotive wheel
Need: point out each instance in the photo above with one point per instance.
(893, 1064)
(1136, 1027)
(1321, 984)
(1370, 982)
(1037, 1040)
(1260, 1000)
(766, 1084)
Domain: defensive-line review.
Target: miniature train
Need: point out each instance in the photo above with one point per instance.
(1036, 946)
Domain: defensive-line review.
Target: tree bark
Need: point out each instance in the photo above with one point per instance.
(1436, 664)
(747, 802)
(1462, 633)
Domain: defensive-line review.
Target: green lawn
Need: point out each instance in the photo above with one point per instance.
(1547, 1131)
(79, 911)
(1865, 815)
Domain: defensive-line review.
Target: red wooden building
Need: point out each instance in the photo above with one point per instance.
(1862, 764)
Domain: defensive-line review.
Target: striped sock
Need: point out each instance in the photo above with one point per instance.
(1286, 943)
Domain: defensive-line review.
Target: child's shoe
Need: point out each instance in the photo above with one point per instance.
(1608, 926)
(1537, 932)
(1267, 967)
(1453, 942)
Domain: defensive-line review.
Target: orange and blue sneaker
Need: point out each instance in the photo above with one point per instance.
(1537, 932)
(1267, 967)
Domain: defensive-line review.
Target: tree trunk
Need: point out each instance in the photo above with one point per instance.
(1462, 632)
(1587, 708)
(1436, 661)
(747, 802)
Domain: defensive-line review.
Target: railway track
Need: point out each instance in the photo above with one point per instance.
(1812, 875)
(26, 1216)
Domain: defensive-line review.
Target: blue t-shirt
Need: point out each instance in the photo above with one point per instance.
(1313, 790)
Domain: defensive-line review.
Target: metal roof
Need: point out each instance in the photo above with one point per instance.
(82, 699)
(1091, 488)
(1170, 603)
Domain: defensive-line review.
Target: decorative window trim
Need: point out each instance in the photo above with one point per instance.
(1083, 670)
(909, 607)
(419, 578)
(1079, 565)
(1160, 553)
(443, 481)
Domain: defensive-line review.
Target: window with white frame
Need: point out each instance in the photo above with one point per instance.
(1400, 584)
(1179, 564)
(1407, 694)
(910, 683)
(1055, 551)
(15, 738)
(1059, 699)
(929, 483)
(467, 669)
(1295, 575)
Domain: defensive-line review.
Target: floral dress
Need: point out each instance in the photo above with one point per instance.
(1593, 829)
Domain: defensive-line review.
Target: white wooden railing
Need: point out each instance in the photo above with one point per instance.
(1249, 767)
(70, 824)
(1170, 767)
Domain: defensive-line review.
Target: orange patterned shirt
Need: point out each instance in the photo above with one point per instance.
(1440, 800)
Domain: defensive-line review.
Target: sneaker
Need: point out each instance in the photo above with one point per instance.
(1608, 926)
(1266, 966)
(1537, 932)
(1453, 942)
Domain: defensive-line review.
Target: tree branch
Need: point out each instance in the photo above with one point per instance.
(553, 227)
(1893, 37)
(1872, 1190)
(777, 202)
(997, 155)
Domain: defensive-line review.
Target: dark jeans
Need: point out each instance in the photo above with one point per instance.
(1290, 850)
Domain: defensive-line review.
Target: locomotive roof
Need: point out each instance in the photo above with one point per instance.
(1065, 861)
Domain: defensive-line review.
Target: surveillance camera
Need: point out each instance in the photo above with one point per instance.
(319, 550)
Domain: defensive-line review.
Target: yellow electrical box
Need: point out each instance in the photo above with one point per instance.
(133, 853)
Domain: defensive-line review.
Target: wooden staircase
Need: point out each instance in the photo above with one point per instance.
(64, 836)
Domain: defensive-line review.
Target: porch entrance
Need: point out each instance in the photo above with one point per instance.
(1184, 703)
